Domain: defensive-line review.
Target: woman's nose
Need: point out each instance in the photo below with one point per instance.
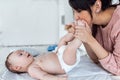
(76, 16)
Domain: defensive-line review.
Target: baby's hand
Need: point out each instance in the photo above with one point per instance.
(70, 27)
(67, 27)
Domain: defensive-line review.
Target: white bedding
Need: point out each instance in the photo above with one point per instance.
(86, 70)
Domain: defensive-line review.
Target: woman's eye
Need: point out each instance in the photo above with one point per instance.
(79, 10)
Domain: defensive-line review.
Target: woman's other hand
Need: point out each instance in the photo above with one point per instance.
(83, 33)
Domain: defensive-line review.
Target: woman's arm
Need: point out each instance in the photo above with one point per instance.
(110, 60)
(84, 34)
(97, 48)
(91, 54)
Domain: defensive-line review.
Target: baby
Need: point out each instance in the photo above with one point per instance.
(44, 67)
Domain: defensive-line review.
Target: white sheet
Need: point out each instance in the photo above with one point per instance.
(86, 70)
(12, 76)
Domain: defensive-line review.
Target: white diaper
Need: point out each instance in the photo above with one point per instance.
(64, 66)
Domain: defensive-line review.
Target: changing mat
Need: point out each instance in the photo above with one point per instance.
(86, 70)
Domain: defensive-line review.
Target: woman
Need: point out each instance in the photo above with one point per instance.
(101, 34)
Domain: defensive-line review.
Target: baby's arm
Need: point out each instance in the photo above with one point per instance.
(39, 74)
(65, 39)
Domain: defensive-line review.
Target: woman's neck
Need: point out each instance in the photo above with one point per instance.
(104, 17)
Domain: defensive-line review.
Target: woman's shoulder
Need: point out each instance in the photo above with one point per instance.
(117, 11)
(115, 22)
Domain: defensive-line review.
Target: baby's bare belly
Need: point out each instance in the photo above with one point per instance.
(50, 64)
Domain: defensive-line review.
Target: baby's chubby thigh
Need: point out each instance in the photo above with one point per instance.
(65, 66)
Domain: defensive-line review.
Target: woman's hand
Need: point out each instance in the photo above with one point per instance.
(83, 33)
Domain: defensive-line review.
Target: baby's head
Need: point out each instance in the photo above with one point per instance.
(18, 61)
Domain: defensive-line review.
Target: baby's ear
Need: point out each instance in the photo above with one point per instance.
(17, 68)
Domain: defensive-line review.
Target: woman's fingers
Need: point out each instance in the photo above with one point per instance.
(82, 33)
(88, 28)
(79, 31)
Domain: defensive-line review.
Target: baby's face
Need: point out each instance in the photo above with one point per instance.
(21, 58)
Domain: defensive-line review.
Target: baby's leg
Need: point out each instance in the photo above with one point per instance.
(69, 55)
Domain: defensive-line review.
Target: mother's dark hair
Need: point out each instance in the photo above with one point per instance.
(79, 5)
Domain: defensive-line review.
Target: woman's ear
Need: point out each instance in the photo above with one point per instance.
(98, 6)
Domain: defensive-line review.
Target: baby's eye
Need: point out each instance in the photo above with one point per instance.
(20, 54)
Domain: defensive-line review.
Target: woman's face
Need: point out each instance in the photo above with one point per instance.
(83, 15)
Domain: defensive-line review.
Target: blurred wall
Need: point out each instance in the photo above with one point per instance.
(32, 22)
